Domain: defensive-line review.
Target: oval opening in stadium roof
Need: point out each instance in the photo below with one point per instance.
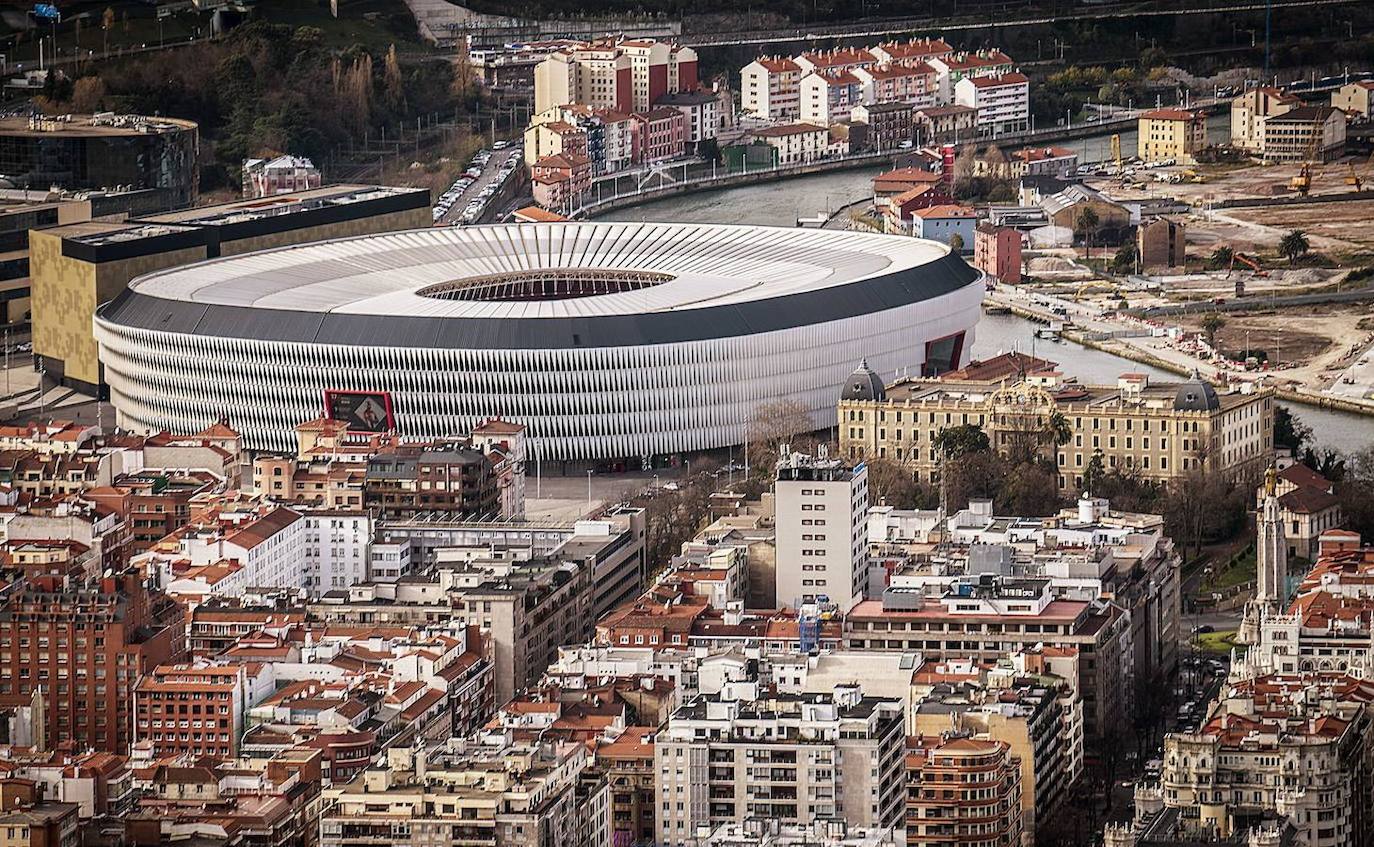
(545, 284)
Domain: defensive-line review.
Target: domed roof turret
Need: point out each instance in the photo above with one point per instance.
(864, 384)
(1196, 395)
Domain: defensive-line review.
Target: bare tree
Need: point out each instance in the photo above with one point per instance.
(775, 424)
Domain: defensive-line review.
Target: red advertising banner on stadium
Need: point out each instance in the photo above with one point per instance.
(363, 411)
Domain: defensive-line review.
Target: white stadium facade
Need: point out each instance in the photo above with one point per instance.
(610, 341)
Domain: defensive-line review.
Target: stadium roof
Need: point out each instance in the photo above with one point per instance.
(635, 275)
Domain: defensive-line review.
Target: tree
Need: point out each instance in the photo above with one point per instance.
(1124, 260)
(1058, 432)
(107, 22)
(1153, 57)
(88, 94)
(956, 242)
(1028, 488)
(1093, 474)
(1085, 227)
(1294, 246)
(978, 474)
(894, 484)
(959, 441)
(392, 86)
(1211, 325)
(708, 150)
(775, 425)
(1327, 462)
(1290, 433)
(1221, 258)
(1356, 490)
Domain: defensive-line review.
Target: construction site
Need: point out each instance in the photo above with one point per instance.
(1272, 284)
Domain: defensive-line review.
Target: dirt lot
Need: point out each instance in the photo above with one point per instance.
(1313, 337)
(1343, 225)
(1337, 229)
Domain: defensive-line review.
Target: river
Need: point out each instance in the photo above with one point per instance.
(781, 203)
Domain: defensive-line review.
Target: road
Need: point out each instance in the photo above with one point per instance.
(491, 173)
(1356, 382)
(911, 25)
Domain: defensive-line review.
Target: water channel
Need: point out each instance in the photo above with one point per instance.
(781, 203)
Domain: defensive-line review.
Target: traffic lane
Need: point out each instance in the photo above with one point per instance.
(490, 172)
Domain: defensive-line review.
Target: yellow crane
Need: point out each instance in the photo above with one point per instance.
(1302, 183)
(1353, 178)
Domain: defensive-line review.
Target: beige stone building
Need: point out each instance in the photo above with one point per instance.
(512, 794)
(1163, 430)
(1295, 745)
(1356, 99)
(1171, 134)
(1249, 111)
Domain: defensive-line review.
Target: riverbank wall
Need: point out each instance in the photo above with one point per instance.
(746, 178)
(1135, 354)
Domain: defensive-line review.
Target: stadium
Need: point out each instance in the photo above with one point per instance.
(609, 341)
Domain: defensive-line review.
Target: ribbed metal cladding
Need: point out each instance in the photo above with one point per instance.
(608, 402)
(747, 316)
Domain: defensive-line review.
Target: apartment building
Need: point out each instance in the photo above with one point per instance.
(948, 224)
(911, 52)
(741, 754)
(796, 143)
(985, 618)
(915, 84)
(1160, 430)
(660, 134)
(612, 546)
(1295, 745)
(1087, 553)
(1176, 134)
(338, 548)
(1250, 110)
(492, 791)
(770, 88)
(829, 96)
(962, 789)
(626, 75)
(890, 125)
(86, 644)
(529, 605)
(821, 507)
(1021, 711)
(954, 67)
(406, 480)
(997, 252)
(1356, 99)
(700, 115)
(229, 548)
(1303, 133)
(197, 709)
(1002, 102)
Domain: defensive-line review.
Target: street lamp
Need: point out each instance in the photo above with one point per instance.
(589, 487)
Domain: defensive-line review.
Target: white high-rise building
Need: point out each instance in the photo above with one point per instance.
(822, 530)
